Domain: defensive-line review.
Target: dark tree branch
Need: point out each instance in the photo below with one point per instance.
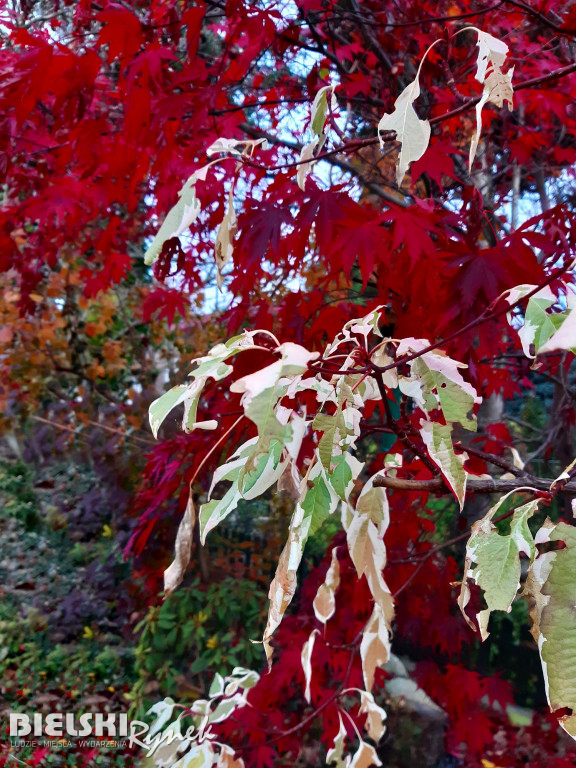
(497, 461)
(477, 485)
(370, 39)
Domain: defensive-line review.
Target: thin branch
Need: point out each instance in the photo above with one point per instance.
(359, 144)
(488, 314)
(338, 692)
(498, 461)
(475, 485)
(348, 15)
(371, 41)
(328, 155)
(74, 431)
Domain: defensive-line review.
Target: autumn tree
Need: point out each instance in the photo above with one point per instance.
(357, 218)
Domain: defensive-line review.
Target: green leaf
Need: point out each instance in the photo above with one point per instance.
(261, 411)
(538, 324)
(456, 401)
(342, 475)
(319, 111)
(565, 335)
(441, 384)
(222, 710)
(497, 559)
(199, 665)
(245, 484)
(316, 505)
(217, 686)
(334, 429)
(212, 366)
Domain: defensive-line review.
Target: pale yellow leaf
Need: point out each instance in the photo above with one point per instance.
(438, 440)
(491, 51)
(319, 111)
(550, 585)
(413, 133)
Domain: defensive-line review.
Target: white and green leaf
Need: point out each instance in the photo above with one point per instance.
(493, 559)
(552, 588)
(438, 440)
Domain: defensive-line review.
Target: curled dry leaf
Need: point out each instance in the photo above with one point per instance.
(226, 758)
(365, 757)
(497, 84)
(325, 603)
(306, 657)
(223, 247)
(335, 755)
(289, 480)
(307, 159)
(497, 90)
(174, 574)
(365, 528)
(235, 146)
(491, 52)
(375, 716)
(315, 506)
(375, 645)
(283, 586)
